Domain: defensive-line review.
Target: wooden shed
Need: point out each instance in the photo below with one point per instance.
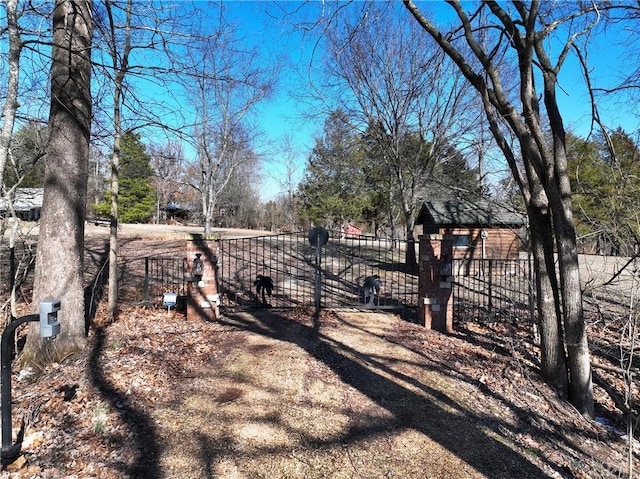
(480, 230)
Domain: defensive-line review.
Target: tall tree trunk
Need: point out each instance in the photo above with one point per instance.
(112, 288)
(581, 384)
(10, 106)
(553, 363)
(120, 59)
(208, 211)
(410, 259)
(544, 168)
(59, 256)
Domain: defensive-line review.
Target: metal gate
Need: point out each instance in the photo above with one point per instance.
(300, 277)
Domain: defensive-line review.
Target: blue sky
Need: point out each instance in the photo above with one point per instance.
(274, 27)
(607, 59)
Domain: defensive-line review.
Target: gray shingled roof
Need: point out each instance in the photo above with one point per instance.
(25, 199)
(463, 213)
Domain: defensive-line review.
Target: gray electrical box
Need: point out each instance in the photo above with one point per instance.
(49, 324)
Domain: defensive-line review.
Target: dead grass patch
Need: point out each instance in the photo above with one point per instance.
(273, 395)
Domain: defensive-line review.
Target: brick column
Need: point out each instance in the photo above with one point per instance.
(435, 289)
(202, 293)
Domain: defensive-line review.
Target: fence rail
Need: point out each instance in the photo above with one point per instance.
(147, 279)
(492, 290)
(483, 290)
(337, 274)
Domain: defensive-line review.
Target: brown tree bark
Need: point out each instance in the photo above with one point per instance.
(10, 106)
(544, 181)
(59, 256)
(553, 364)
(581, 384)
(119, 53)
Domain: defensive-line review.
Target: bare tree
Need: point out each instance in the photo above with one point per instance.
(96, 187)
(10, 106)
(138, 41)
(20, 154)
(240, 201)
(395, 83)
(59, 257)
(286, 174)
(25, 166)
(167, 161)
(227, 84)
(523, 38)
(620, 21)
(119, 52)
(22, 82)
(9, 112)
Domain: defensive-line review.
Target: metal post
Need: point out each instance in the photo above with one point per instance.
(490, 286)
(147, 303)
(318, 272)
(5, 376)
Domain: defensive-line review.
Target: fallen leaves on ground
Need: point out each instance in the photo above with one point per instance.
(292, 394)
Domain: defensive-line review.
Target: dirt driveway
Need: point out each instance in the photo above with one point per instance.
(342, 395)
(288, 394)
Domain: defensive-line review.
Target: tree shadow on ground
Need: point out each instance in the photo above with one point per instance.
(464, 433)
(140, 424)
(97, 266)
(561, 432)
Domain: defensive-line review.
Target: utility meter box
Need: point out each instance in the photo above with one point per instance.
(49, 324)
(170, 299)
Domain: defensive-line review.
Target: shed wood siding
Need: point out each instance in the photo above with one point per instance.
(459, 219)
(500, 243)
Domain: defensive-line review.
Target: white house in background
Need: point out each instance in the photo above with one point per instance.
(27, 204)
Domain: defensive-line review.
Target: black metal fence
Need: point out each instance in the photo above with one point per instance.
(16, 263)
(493, 290)
(483, 290)
(147, 279)
(337, 275)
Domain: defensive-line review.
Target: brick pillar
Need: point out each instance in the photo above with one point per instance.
(436, 293)
(202, 293)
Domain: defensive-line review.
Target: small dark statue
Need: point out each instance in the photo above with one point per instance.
(264, 286)
(371, 289)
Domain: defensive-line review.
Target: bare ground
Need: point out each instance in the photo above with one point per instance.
(287, 394)
(291, 394)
